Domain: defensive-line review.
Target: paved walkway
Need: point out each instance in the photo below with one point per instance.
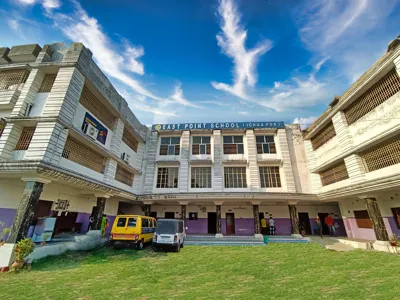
(332, 244)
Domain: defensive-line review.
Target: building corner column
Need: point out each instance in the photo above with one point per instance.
(99, 211)
(256, 215)
(376, 218)
(184, 168)
(294, 219)
(218, 205)
(218, 170)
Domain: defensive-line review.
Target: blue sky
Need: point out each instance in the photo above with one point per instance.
(181, 61)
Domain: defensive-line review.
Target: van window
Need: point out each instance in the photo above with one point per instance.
(150, 223)
(132, 222)
(121, 222)
(155, 223)
(145, 222)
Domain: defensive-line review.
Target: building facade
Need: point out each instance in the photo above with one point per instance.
(71, 148)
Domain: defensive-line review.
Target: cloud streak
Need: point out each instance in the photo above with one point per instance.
(178, 97)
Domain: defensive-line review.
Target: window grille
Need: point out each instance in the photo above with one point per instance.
(201, 145)
(12, 79)
(167, 178)
(334, 174)
(92, 104)
(235, 177)
(233, 144)
(373, 97)
(170, 145)
(382, 155)
(47, 83)
(78, 152)
(265, 144)
(124, 176)
(201, 177)
(324, 135)
(25, 138)
(270, 177)
(129, 140)
(362, 219)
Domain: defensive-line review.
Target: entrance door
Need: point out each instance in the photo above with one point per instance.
(153, 214)
(169, 215)
(230, 223)
(42, 209)
(325, 228)
(304, 221)
(212, 222)
(66, 222)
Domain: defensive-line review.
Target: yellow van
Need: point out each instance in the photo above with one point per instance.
(132, 230)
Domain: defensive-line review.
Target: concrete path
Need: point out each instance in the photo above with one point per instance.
(332, 244)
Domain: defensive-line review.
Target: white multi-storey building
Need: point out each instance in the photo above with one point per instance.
(70, 147)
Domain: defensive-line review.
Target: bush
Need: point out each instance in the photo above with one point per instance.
(23, 249)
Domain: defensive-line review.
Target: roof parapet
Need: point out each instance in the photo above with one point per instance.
(393, 44)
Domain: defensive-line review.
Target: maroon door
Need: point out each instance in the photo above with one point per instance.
(230, 223)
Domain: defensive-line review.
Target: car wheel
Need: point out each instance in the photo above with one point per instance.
(140, 246)
(182, 245)
(178, 248)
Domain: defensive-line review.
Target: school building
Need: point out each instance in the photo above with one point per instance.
(71, 148)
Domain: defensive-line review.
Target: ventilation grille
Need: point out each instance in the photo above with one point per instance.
(334, 174)
(323, 136)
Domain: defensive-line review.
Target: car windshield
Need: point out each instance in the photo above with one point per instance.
(167, 227)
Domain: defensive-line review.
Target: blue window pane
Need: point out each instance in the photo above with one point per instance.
(240, 149)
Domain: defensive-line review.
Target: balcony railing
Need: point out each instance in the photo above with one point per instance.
(334, 174)
(12, 79)
(124, 176)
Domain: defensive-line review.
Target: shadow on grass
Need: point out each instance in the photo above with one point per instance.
(103, 255)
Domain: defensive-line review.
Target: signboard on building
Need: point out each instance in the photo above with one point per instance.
(218, 125)
(102, 131)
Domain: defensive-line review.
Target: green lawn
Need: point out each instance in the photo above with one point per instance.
(284, 271)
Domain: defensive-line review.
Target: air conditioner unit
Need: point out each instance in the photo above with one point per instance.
(126, 157)
(91, 131)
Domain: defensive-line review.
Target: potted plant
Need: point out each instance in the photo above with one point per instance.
(45, 237)
(3, 234)
(393, 240)
(23, 249)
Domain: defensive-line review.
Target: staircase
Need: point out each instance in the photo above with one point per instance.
(210, 240)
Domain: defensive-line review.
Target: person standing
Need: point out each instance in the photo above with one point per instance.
(329, 222)
(104, 225)
(263, 226)
(318, 227)
(271, 222)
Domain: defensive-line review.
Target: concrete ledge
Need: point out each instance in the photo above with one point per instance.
(6, 255)
(384, 246)
(219, 235)
(259, 237)
(366, 245)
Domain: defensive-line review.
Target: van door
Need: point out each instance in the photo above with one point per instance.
(119, 225)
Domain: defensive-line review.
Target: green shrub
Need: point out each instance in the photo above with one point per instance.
(23, 249)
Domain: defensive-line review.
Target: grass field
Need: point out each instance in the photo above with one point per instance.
(284, 271)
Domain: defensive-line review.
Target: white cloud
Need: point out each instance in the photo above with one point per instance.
(179, 98)
(243, 113)
(215, 102)
(25, 2)
(132, 54)
(51, 4)
(231, 40)
(13, 24)
(304, 122)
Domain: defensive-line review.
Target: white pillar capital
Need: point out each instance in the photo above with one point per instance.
(292, 202)
(148, 202)
(366, 196)
(255, 202)
(183, 202)
(38, 179)
(99, 195)
(218, 202)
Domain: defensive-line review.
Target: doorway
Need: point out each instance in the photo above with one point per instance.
(304, 221)
(66, 222)
(230, 223)
(42, 209)
(169, 215)
(212, 222)
(153, 214)
(325, 228)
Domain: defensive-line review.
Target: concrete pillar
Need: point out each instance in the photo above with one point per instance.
(355, 168)
(110, 170)
(98, 212)
(294, 218)
(252, 160)
(184, 168)
(28, 93)
(397, 64)
(342, 131)
(116, 140)
(9, 140)
(151, 176)
(256, 215)
(30, 197)
(218, 169)
(287, 174)
(376, 218)
(218, 211)
(311, 161)
(183, 209)
(147, 207)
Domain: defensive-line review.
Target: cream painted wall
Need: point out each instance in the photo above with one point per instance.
(38, 104)
(327, 151)
(11, 192)
(5, 113)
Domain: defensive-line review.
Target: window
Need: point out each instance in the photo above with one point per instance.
(77, 152)
(170, 145)
(193, 216)
(396, 215)
(47, 83)
(167, 178)
(124, 176)
(233, 144)
(25, 138)
(93, 105)
(373, 97)
(265, 144)
(235, 177)
(121, 222)
(382, 155)
(269, 177)
(362, 219)
(201, 145)
(145, 222)
(12, 79)
(132, 222)
(129, 140)
(201, 177)
(151, 223)
(334, 174)
(324, 135)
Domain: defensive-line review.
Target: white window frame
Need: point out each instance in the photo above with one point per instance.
(166, 180)
(208, 180)
(242, 178)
